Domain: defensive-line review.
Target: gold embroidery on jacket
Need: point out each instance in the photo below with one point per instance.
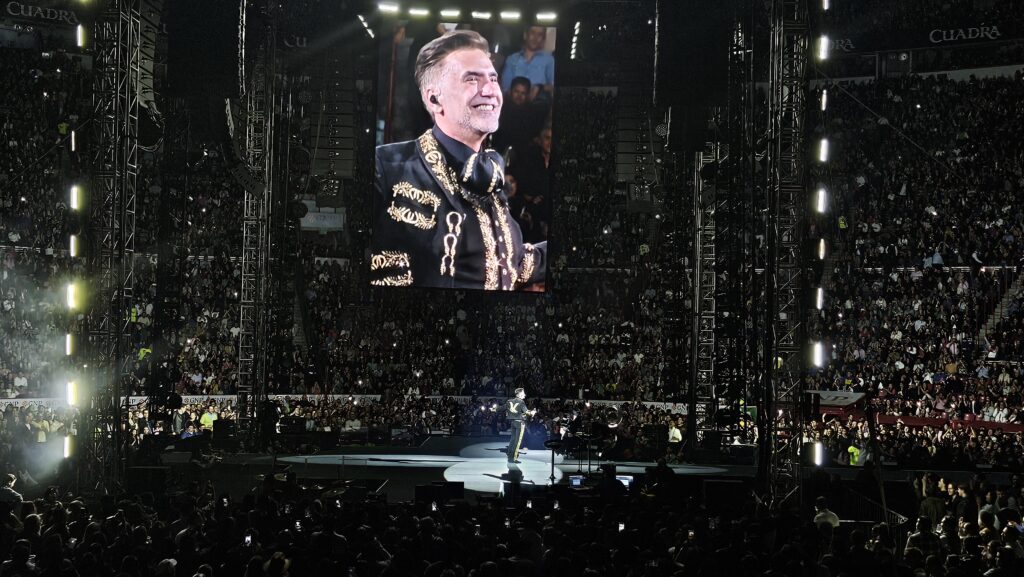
(424, 197)
(410, 216)
(435, 160)
(529, 262)
(394, 280)
(506, 234)
(451, 240)
(388, 259)
(391, 259)
(490, 250)
(468, 172)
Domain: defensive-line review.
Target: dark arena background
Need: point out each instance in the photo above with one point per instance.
(629, 288)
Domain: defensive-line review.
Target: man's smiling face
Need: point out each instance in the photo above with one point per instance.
(469, 95)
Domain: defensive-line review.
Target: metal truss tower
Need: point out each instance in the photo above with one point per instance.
(784, 349)
(112, 231)
(252, 349)
(735, 359)
(702, 399)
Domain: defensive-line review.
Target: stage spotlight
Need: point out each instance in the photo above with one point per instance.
(419, 12)
(510, 15)
(68, 344)
(388, 8)
(72, 393)
(481, 15)
(819, 299)
(451, 13)
(824, 99)
(819, 354)
(73, 245)
(825, 5)
(822, 200)
(823, 47)
(73, 194)
(821, 249)
(71, 294)
(79, 36)
(546, 17)
(823, 150)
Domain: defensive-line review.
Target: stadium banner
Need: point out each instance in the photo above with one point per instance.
(951, 34)
(53, 13)
(323, 221)
(967, 421)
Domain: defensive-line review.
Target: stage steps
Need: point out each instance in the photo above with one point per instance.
(1001, 309)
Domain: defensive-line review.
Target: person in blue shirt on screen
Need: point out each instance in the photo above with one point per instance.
(533, 63)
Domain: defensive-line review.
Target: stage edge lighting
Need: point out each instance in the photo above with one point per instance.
(73, 245)
(823, 150)
(824, 99)
(819, 454)
(73, 197)
(67, 446)
(419, 12)
(825, 5)
(546, 17)
(510, 15)
(72, 301)
(822, 203)
(821, 249)
(68, 345)
(481, 15)
(72, 141)
(72, 393)
(451, 13)
(819, 300)
(388, 8)
(79, 36)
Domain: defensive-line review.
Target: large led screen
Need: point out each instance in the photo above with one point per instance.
(462, 195)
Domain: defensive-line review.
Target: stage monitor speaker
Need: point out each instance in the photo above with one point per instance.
(225, 434)
(202, 48)
(430, 494)
(379, 435)
(293, 426)
(146, 480)
(452, 490)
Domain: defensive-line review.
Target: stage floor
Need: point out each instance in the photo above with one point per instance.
(477, 462)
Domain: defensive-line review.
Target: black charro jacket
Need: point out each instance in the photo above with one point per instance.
(431, 231)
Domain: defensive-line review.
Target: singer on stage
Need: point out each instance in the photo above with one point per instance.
(516, 411)
(440, 214)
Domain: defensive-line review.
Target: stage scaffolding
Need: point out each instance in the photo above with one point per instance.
(784, 349)
(112, 237)
(255, 275)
